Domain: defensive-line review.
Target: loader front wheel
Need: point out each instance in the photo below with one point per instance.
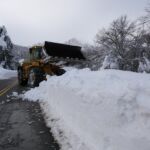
(21, 80)
(36, 75)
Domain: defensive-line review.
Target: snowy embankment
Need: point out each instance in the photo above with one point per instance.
(101, 110)
(6, 74)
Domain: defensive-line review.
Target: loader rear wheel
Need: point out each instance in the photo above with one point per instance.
(21, 80)
(36, 75)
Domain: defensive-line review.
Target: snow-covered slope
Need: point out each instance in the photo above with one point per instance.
(10, 53)
(6, 74)
(5, 41)
(5, 49)
(101, 110)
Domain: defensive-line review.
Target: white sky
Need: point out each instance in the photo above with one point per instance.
(32, 21)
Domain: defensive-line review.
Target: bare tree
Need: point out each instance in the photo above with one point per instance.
(118, 37)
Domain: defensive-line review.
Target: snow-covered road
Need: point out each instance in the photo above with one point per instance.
(97, 110)
(22, 126)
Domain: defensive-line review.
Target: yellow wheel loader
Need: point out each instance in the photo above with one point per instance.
(39, 64)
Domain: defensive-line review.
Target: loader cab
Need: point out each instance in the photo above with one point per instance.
(36, 53)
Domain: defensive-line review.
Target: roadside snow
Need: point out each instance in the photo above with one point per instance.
(101, 110)
(6, 74)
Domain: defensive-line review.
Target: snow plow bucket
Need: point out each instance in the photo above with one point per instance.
(63, 50)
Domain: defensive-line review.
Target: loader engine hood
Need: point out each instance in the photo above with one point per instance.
(63, 50)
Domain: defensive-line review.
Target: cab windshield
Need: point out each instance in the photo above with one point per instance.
(36, 53)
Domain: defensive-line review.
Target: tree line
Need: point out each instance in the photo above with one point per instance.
(124, 45)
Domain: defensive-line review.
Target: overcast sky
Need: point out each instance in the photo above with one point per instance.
(32, 21)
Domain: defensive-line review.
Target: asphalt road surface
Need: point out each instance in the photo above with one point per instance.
(22, 126)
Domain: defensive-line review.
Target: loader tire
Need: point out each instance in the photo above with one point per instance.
(36, 75)
(21, 80)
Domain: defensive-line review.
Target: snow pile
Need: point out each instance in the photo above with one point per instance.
(6, 74)
(101, 110)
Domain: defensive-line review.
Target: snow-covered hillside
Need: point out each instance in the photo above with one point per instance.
(3, 42)
(5, 49)
(97, 110)
(10, 53)
(6, 74)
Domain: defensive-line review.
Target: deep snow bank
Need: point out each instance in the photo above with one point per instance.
(101, 110)
(6, 74)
